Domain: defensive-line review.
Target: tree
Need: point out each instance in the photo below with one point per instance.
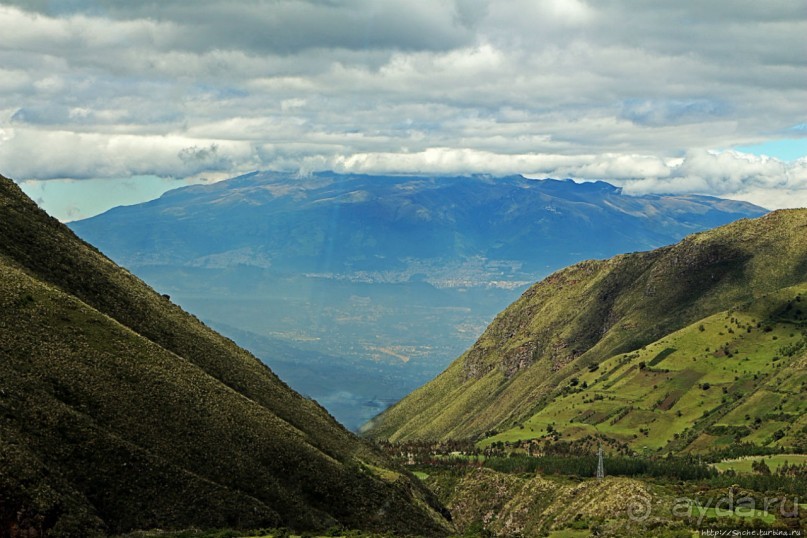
(760, 467)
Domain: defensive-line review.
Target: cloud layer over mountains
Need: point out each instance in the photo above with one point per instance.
(647, 93)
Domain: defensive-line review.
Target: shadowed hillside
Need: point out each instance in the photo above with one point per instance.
(121, 411)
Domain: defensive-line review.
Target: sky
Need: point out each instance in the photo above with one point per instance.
(110, 102)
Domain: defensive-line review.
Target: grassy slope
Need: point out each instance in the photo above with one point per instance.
(536, 505)
(509, 505)
(744, 465)
(591, 312)
(751, 359)
(121, 411)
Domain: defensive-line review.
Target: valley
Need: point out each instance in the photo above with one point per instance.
(356, 347)
(626, 339)
(684, 364)
(428, 269)
(389, 277)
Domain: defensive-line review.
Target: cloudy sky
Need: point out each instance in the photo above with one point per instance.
(104, 102)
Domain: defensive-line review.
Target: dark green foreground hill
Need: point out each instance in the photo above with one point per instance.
(692, 347)
(120, 411)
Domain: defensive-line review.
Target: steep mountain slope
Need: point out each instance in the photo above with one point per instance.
(396, 275)
(736, 376)
(121, 411)
(594, 322)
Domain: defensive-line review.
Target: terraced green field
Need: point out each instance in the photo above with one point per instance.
(736, 376)
(743, 465)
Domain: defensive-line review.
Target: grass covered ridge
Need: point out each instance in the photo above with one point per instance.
(123, 412)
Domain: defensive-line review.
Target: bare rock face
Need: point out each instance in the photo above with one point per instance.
(518, 359)
(474, 366)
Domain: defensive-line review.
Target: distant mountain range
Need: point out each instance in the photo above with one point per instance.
(360, 288)
(688, 348)
(378, 228)
(119, 412)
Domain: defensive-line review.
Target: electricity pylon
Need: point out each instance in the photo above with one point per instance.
(600, 466)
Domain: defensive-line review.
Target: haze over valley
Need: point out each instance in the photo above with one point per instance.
(358, 289)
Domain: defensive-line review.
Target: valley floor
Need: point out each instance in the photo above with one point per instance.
(510, 493)
(557, 496)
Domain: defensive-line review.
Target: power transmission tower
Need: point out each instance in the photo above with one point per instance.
(600, 466)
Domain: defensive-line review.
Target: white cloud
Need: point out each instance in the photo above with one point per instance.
(637, 93)
(47, 155)
(762, 180)
(13, 80)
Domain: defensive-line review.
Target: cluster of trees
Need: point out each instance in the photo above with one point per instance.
(579, 458)
(795, 470)
(770, 483)
(571, 458)
(739, 450)
(457, 451)
(426, 451)
(677, 468)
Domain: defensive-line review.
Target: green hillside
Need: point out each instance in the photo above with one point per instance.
(736, 376)
(682, 348)
(120, 411)
(511, 505)
(485, 502)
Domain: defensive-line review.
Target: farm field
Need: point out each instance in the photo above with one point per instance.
(743, 465)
